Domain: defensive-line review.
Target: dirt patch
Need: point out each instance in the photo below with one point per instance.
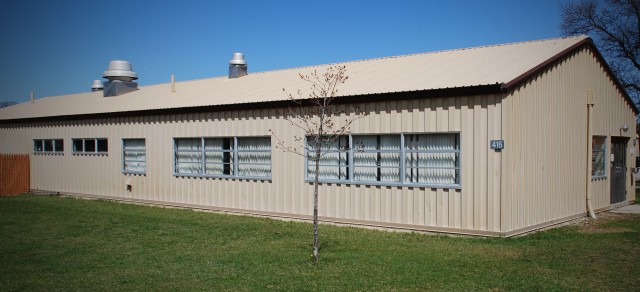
(598, 225)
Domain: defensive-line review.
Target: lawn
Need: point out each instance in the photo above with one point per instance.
(57, 243)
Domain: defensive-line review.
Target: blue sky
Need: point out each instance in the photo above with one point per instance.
(60, 47)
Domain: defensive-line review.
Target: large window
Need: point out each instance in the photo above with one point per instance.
(52, 146)
(395, 159)
(243, 157)
(134, 156)
(598, 146)
(90, 146)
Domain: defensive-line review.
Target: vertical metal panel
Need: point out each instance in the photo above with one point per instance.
(494, 129)
(467, 162)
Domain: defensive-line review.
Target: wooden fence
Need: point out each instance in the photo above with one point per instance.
(14, 174)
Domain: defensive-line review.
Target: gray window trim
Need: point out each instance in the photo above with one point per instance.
(604, 157)
(138, 151)
(53, 144)
(234, 173)
(94, 152)
(402, 165)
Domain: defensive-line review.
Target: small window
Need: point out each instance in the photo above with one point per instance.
(38, 146)
(78, 145)
(58, 145)
(134, 158)
(102, 145)
(598, 152)
(48, 146)
(90, 146)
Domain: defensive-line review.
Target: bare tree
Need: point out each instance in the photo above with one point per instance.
(317, 116)
(7, 103)
(615, 27)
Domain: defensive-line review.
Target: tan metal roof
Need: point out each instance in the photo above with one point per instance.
(499, 64)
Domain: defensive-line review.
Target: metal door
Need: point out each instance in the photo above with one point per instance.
(618, 172)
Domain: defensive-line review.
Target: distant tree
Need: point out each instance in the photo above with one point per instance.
(614, 26)
(7, 103)
(316, 115)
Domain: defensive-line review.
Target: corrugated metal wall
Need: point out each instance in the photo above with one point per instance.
(545, 131)
(610, 113)
(473, 207)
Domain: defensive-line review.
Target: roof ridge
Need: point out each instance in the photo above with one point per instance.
(403, 56)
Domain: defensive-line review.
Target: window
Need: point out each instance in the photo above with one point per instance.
(396, 159)
(598, 156)
(133, 156)
(219, 156)
(243, 157)
(101, 145)
(377, 158)
(48, 146)
(188, 156)
(78, 145)
(432, 158)
(90, 146)
(334, 163)
(254, 157)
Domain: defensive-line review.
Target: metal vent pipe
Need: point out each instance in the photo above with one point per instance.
(237, 66)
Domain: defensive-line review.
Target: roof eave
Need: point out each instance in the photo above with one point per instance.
(352, 99)
(587, 42)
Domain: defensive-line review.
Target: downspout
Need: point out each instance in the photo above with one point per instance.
(589, 153)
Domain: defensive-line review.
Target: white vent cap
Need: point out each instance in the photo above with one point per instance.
(96, 85)
(120, 70)
(238, 59)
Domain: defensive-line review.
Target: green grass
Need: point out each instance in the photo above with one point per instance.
(55, 243)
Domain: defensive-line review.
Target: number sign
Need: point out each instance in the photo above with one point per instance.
(497, 144)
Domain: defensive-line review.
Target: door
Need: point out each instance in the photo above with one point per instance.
(618, 169)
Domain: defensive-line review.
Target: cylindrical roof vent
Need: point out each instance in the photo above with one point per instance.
(120, 70)
(238, 59)
(96, 85)
(237, 66)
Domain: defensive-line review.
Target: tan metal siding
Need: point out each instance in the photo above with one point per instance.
(473, 207)
(609, 112)
(545, 157)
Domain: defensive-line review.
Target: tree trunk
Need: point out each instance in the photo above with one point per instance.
(316, 256)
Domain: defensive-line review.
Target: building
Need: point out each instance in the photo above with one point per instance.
(497, 141)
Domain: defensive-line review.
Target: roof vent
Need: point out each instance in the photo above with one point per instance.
(96, 85)
(237, 66)
(120, 75)
(120, 70)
